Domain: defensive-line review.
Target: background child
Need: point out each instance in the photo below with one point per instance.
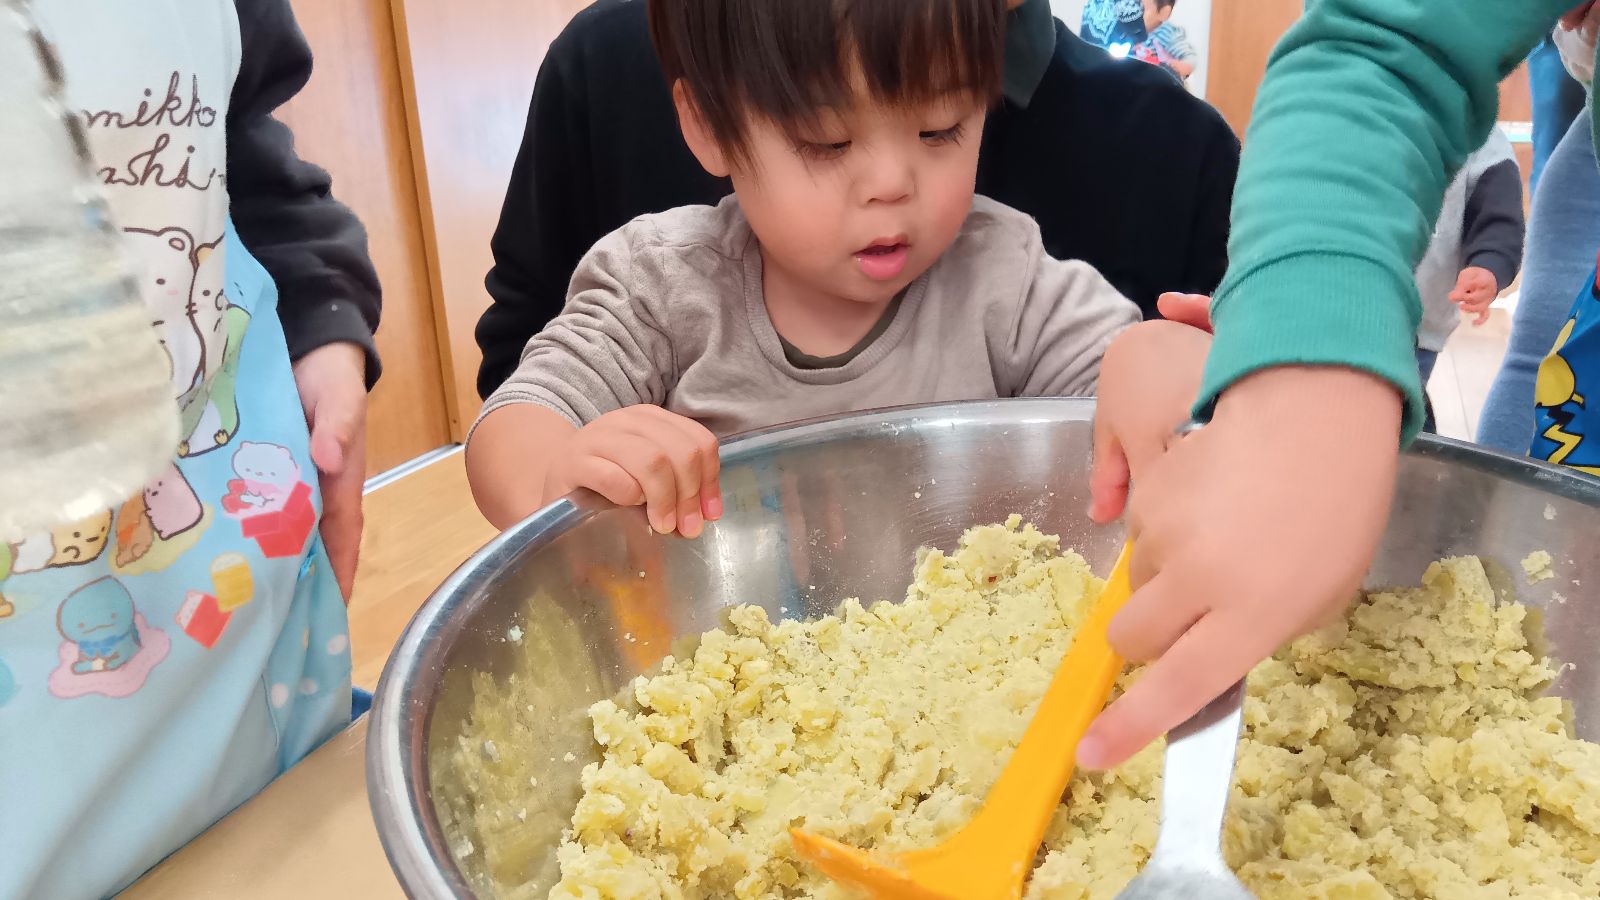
(168, 658)
(1475, 252)
(1168, 43)
(852, 268)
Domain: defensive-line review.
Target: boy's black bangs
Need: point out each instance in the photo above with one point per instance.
(786, 60)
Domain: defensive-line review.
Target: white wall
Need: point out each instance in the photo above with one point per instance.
(1193, 15)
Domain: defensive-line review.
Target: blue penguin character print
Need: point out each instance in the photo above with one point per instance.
(98, 618)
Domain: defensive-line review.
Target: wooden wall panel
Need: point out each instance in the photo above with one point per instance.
(1516, 102)
(468, 79)
(351, 120)
(1243, 33)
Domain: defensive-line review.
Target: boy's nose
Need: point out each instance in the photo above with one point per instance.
(887, 178)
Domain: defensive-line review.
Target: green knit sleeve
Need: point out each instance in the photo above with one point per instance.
(1367, 109)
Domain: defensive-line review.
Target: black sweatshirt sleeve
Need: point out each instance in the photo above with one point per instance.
(312, 245)
(1208, 259)
(1492, 226)
(541, 234)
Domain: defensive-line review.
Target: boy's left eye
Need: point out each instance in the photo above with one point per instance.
(941, 136)
(823, 151)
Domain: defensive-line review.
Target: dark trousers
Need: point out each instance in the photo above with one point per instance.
(1425, 362)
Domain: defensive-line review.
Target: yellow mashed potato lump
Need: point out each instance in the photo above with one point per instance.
(1404, 752)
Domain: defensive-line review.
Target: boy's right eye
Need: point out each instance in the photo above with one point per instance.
(822, 151)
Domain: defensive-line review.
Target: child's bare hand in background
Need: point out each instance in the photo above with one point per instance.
(1247, 534)
(1475, 289)
(645, 455)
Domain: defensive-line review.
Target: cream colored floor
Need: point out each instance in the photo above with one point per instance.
(422, 526)
(1465, 370)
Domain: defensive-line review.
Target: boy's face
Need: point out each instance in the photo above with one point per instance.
(1155, 14)
(867, 202)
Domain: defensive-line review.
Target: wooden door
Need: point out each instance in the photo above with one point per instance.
(351, 120)
(1243, 33)
(469, 78)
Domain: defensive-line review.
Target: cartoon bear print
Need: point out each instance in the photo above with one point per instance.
(267, 475)
(208, 304)
(98, 619)
(171, 504)
(167, 258)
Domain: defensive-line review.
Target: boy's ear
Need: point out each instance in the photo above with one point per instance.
(697, 135)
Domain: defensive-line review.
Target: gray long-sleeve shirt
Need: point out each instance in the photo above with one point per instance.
(668, 310)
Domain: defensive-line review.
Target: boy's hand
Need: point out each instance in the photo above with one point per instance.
(1247, 534)
(333, 390)
(1475, 289)
(644, 454)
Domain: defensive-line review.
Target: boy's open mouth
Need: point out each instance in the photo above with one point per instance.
(883, 259)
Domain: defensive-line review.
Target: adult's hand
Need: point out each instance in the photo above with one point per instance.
(333, 390)
(1248, 533)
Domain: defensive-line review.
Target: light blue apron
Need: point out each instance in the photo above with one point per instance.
(160, 663)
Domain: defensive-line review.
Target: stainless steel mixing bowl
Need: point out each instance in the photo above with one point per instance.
(582, 597)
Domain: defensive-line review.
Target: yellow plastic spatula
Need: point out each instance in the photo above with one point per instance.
(989, 858)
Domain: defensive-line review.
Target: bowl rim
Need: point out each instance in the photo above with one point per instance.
(396, 770)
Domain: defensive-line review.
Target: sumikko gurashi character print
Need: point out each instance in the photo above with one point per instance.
(210, 408)
(158, 525)
(200, 329)
(270, 499)
(107, 646)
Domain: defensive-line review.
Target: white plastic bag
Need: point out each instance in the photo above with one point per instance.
(87, 415)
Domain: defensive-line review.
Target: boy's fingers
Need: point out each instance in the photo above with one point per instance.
(1155, 617)
(1207, 660)
(648, 463)
(710, 491)
(684, 458)
(1108, 477)
(609, 480)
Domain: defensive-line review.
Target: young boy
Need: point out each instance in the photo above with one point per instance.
(1080, 142)
(162, 661)
(852, 268)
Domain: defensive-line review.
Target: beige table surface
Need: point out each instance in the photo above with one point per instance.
(308, 835)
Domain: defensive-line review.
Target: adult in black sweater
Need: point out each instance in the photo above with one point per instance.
(1120, 165)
